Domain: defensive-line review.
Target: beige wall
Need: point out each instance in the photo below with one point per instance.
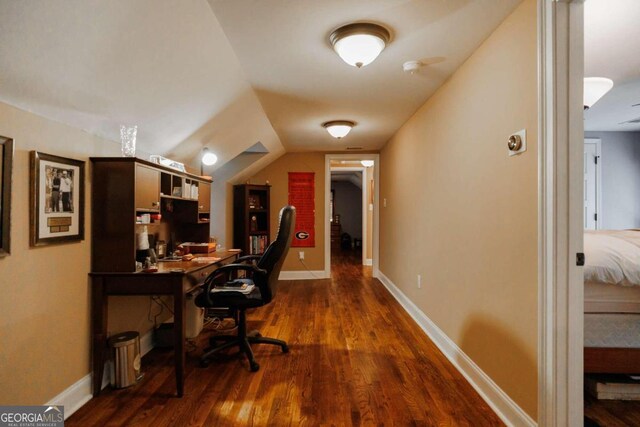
(277, 175)
(463, 214)
(44, 305)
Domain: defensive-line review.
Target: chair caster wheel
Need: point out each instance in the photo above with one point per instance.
(204, 363)
(285, 349)
(254, 367)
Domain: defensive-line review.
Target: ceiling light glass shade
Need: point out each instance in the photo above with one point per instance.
(359, 44)
(594, 89)
(367, 163)
(338, 128)
(208, 158)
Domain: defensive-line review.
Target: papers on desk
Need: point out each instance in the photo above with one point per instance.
(243, 288)
(205, 259)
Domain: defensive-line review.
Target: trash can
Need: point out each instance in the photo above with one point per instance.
(125, 369)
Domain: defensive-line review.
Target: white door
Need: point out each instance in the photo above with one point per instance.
(592, 217)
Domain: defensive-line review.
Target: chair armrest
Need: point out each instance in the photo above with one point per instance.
(209, 281)
(248, 258)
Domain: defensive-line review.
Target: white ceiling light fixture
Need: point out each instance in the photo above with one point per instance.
(208, 158)
(338, 128)
(367, 163)
(359, 44)
(594, 89)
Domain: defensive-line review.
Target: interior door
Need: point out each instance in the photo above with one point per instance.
(592, 194)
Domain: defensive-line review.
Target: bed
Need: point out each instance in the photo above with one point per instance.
(612, 301)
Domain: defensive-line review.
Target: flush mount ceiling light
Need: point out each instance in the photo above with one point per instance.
(366, 163)
(338, 128)
(594, 89)
(359, 44)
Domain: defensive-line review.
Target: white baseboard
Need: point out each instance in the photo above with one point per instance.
(304, 275)
(508, 411)
(368, 261)
(74, 397)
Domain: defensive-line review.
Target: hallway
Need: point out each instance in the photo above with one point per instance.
(356, 358)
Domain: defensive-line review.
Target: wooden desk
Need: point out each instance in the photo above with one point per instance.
(164, 282)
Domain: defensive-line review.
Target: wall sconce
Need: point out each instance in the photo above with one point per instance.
(208, 159)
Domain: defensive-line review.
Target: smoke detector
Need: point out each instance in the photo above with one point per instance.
(412, 67)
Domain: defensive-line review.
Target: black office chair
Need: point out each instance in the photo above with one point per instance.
(263, 271)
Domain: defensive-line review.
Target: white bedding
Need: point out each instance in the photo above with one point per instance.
(612, 256)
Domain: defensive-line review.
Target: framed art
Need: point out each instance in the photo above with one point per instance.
(6, 159)
(56, 196)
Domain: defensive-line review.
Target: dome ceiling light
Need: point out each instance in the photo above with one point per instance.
(359, 44)
(338, 128)
(594, 89)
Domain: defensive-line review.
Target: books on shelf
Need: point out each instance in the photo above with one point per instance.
(257, 244)
(613, 387)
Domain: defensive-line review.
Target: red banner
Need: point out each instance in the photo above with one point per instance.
(302, 196)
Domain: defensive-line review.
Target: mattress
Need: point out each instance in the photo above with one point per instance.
(612, 256)
(612, 330)
(603, 298)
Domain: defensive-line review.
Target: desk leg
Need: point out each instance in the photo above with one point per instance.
(99, 314)
(179, 333)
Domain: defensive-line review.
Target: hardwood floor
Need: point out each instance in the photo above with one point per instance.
(611, 413)
(356, 358)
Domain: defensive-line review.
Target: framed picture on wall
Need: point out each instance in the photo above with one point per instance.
(56, 199)
(6, 159)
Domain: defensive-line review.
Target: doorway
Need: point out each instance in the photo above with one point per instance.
(592, 185)
(351, 210)
(350, 231)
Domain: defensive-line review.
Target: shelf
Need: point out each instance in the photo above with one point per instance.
(253, 210)
(164, 196)
(259, 233)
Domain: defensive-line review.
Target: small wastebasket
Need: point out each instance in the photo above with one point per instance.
(125, 370)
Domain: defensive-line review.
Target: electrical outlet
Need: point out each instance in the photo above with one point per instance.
(419, 281)
(301, 255)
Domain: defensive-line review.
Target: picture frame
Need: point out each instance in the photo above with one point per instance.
(56, 199)
(6, 161)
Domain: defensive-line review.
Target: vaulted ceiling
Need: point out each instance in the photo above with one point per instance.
(227, 74)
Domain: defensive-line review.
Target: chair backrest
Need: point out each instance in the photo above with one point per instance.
(276, 252)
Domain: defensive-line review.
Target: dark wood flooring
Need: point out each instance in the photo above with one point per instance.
(356, 358)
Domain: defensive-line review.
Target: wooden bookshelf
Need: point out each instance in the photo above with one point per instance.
(251, 222)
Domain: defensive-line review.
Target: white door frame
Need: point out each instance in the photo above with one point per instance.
(598, 144)
(365, 195)
(560, 205)
(376, 196)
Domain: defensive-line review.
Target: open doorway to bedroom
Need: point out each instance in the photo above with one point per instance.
(611, 213)
(351, 214)
(351, 209)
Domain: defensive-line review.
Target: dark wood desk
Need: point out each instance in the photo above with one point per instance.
(164, 282)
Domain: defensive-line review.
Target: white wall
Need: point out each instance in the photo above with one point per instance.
(620, 168)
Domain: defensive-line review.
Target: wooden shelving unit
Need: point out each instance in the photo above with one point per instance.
(251, 222)
(126, 189)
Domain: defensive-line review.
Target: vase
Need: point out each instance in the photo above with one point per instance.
(128, 140)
